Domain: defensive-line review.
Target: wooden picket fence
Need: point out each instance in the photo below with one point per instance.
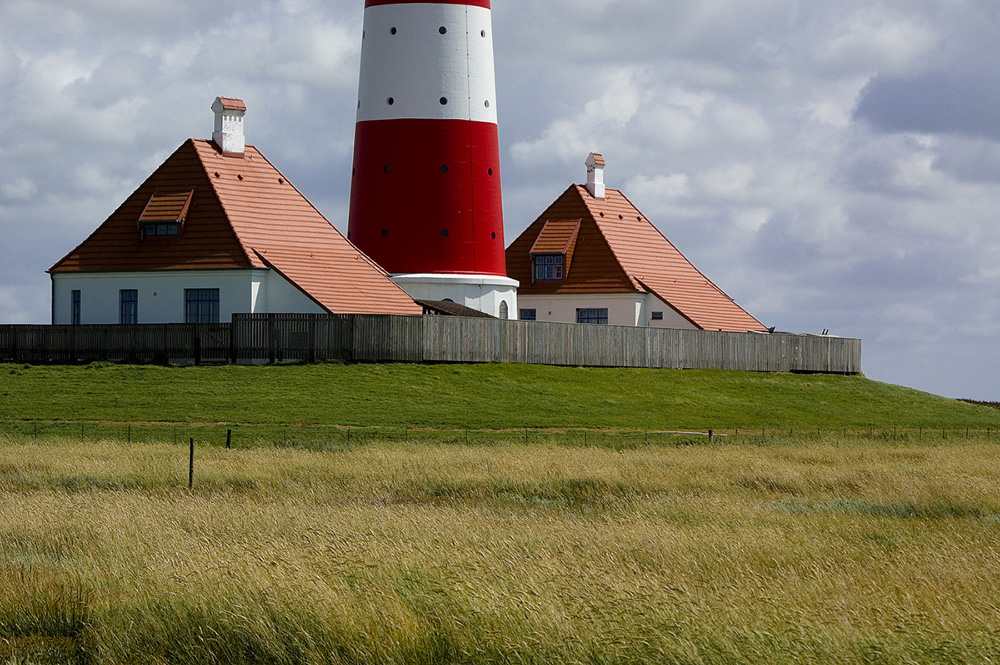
(272, 338)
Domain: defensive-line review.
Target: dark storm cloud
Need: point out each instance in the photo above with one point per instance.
(933, 103)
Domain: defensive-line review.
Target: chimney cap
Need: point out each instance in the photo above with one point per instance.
(596, 159)
(228, 104)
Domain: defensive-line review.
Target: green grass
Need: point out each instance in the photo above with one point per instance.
(833, 551)
(473, 396)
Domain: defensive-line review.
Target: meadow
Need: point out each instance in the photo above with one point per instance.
(792, 547)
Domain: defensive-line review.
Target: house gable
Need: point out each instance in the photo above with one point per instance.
(206, 241)
(591, 266)
(236, 211)
(619, 250)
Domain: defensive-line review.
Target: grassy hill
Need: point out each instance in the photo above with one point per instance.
(473, 396)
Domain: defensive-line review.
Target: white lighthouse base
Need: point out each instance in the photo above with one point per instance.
(491, 294)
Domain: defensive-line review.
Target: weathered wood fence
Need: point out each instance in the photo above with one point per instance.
(431, 339)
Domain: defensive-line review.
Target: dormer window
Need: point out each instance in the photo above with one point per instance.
(164, 214)
(548, 266)
(158, 229)
(552, 252)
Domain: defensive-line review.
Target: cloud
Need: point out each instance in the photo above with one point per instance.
(933, 103)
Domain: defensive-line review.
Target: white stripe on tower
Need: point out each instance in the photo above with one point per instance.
(406, 58)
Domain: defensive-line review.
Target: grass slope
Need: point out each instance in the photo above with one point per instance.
(473, 396)
(837, 551)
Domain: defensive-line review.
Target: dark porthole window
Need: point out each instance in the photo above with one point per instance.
(392, 30)
(490, 171)
(388, 168)
(385, 233)
(487, 103)
(483, 33)
(444, 233)
(443, 100)
(494, 235)
(443, 30)
(444, 168)
(390, 101)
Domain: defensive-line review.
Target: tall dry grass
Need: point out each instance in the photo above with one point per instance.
(832, 551)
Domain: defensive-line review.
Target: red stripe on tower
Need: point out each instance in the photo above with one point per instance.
(425, 193)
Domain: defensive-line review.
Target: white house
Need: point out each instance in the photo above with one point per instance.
(592, 257)
(217, 230)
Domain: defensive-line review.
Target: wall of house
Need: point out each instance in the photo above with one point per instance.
(161, 294)
(671, 318)
(624, 309)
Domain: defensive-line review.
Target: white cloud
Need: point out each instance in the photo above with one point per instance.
(21, 189)
(727, 182)
(878, 39)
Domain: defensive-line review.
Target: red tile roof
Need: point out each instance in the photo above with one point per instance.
(232, 104)
(619, 250)
(557, 236)
(167, 207)
(242, 213)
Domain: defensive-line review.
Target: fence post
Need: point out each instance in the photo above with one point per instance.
(191, 466)
(229, 438)
(710, 436)
(232, 340)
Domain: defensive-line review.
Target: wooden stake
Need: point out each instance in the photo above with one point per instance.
(191, 466)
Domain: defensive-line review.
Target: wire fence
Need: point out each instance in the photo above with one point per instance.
(344, 437)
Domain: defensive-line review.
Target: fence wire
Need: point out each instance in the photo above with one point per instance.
(327, 437)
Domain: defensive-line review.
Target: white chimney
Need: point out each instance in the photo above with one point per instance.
(228, 134)
(595, 174)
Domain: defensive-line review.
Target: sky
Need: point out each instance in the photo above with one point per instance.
(831, 166)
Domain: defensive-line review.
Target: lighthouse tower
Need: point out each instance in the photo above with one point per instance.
(425, 193)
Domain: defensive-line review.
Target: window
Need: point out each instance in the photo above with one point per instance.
(527, 315)
(128, 307)
(74, 315)
(548, 266)
(503, 310)
(201, 305)
(592, 315)
(657, 316)
(164, 229)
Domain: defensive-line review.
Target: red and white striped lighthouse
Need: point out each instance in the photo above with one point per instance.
(425, 194)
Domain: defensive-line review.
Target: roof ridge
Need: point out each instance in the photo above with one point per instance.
(291, 281)
(305, 198)
(682, 254)
(244, 246)
(670, 304)
(696, 268)
(631, 278)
